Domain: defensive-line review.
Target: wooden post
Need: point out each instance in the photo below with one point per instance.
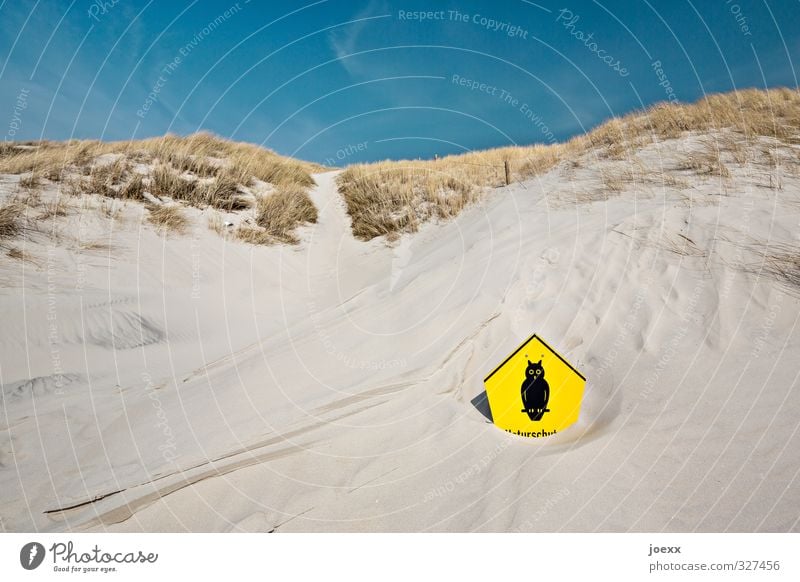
(508, 173)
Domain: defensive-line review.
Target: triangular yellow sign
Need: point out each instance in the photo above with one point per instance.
(534, 392)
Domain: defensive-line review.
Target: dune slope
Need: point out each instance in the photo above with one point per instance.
(198, 383)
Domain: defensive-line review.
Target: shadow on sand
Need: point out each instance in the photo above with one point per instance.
(481, 403)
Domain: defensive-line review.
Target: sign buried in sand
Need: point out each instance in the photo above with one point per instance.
(534, 392)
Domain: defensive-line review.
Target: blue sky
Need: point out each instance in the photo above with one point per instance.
(359, 81)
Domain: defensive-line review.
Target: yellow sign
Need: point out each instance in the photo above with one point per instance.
(534, 392)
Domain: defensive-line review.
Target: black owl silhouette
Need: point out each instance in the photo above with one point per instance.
(535, 391)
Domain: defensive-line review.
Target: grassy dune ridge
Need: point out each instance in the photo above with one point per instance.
(384, 198)
(200, 170)
(392, 197)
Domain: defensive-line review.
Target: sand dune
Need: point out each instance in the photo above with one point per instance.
(195, 382)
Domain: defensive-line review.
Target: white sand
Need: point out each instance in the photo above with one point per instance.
(189, 383)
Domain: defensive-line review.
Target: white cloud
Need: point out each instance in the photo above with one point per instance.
(346, 40)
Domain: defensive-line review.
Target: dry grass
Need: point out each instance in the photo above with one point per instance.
(18, 255)
(398, 196)
(31, 182)
(277, 217)
(676, 243)
(783, 263)
(133, 189)
(110, 180)
(635, 172)
(734, 145)
(32, 199)
(205, 155)
(681, 245)
(55, 208)
(167, 182)
(669, 180)
(49, 158)
(110, 210)
(773, 157)
(255, 235)
(7, 149)
(95, 245)
(168, 217)
(616, 180)
(91, 185)
(777, 261)
(113, 173)
(391, 197)
(196, 165)
(217, 224)
(11, 219)
(220, 192)
(223, 192)
(707, 163)
(565, 199)
(200, 170)
(192, 154)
